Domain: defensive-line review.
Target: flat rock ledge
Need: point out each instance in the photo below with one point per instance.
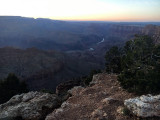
(29, 106)
(144, 106)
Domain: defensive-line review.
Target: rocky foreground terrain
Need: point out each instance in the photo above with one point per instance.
(100, 101)
(104, 99)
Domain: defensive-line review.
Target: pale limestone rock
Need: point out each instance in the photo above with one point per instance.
(32, 105)
(144, 106)
(95, 79)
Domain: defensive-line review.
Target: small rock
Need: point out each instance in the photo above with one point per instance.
(108, 100)
(120, 110)
(105, 114)
(99, 114)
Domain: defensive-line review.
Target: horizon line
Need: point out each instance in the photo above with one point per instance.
(77, 20)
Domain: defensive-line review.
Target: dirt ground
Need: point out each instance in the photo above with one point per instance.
(102, 100)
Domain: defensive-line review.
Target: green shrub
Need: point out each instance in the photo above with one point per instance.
(113, 60)
(125, 111)
(139, 65)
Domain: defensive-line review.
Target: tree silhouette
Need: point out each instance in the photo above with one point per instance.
(10, 87)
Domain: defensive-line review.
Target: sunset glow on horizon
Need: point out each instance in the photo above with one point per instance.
(92, 10)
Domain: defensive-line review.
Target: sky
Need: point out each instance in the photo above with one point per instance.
(85, 10)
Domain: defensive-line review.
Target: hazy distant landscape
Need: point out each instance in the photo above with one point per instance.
(51, 51)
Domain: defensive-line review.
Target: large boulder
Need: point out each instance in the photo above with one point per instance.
(29, 106)
(144, 106)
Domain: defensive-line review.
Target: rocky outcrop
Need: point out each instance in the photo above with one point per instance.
(99, 101)
(29, 106)
(102, 100)
(144, 106)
